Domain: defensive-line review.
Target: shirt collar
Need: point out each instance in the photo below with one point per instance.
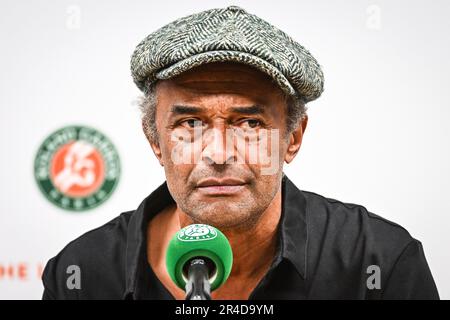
(293, 235)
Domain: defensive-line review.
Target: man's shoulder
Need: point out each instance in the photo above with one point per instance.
(102, 239)
(348, 244)
(94, 255)
(349, 221)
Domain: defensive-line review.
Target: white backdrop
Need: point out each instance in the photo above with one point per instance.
(379, 135)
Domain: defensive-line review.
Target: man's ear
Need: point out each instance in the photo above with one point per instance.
(295, 140)
(153, 144)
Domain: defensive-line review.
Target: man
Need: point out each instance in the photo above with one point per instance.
(224, 108)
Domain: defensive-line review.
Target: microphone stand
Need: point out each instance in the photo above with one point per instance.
(198, 286)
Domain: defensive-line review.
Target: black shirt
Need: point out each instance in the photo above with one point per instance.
(326, 249)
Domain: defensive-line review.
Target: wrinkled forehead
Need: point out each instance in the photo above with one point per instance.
(225, 77)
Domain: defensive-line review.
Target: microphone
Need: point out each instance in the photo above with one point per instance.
(199, 260)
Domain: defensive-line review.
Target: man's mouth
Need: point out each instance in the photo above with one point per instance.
(225, 186)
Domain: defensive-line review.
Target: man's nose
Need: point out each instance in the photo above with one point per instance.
(218, 146)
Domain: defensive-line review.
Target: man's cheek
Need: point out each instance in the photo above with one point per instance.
(185, 147)
(260, 148)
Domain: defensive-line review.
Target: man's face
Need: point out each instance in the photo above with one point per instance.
(222, 142)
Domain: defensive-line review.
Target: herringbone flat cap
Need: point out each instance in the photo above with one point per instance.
(227, 34)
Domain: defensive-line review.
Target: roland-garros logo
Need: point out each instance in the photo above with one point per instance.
(197, 232)
(77, 168)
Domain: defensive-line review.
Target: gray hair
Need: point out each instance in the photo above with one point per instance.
(296, 111)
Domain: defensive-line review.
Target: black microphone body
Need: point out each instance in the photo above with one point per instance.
(198, 286)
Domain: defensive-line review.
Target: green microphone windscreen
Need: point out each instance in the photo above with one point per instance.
(199, 240)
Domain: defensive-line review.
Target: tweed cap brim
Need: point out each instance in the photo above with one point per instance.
(227, 34)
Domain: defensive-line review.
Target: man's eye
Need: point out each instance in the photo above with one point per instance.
(252, 123)
(192, 123)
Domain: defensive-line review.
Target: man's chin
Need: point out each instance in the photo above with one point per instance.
(222, 219)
